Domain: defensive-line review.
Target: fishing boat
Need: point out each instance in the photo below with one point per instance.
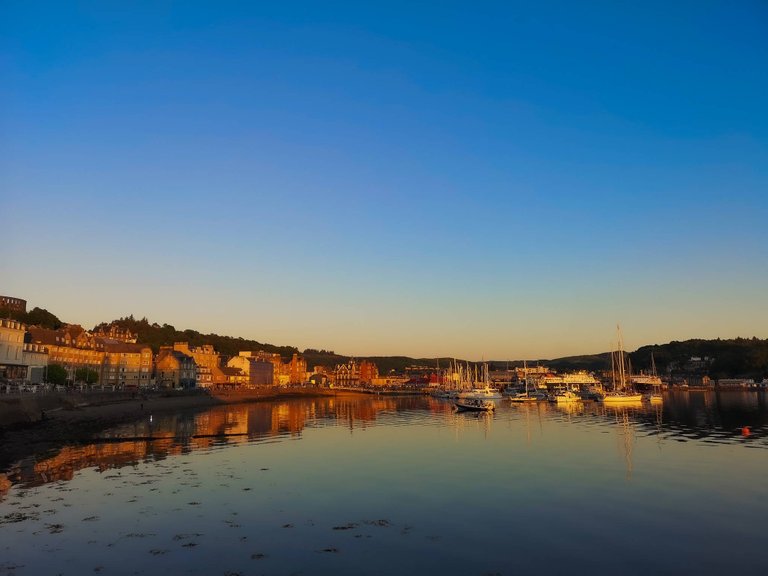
(622, 392)
(474, 404)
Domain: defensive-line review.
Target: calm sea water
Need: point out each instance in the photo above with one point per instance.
(386, 485)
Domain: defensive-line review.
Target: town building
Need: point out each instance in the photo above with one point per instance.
(126, 365)
(258, 372)
(12, 365)
(229, 376)
(71, 347)
(114, 332)
(206, 359)
(294, 372)
(368, 372)
(35, 358)
(272, 358)
(13, 304)
(347, 375)
(174, 369)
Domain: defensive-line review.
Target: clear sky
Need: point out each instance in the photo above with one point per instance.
(497, 179)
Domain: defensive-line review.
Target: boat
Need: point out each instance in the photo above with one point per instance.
(565, 396)
(481, 394)
(653, 379)
(481, 389)
(529, 395)
(474, 404)
(622, 392)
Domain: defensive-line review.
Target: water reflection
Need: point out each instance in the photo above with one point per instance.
(379, 485)
(711, 417)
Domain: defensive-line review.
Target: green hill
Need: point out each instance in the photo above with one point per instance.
(156, 335)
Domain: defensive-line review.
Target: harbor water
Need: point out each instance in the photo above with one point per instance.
(401, 485)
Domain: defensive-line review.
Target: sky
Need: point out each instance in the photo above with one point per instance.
(496, 180)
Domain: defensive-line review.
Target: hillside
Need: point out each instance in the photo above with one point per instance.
(156, 335)
(738, 357)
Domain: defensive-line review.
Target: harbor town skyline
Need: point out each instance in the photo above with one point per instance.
(509, 181)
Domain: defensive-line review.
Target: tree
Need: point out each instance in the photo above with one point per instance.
(86, 375)
(57, 375)
(41, 317)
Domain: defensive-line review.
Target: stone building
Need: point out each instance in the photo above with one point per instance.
(347, 374)
(229, 376)
(368, 372)
(274, 359)
(206, 359)
(174, 369)
(258, 372)
(114, 332)
(13, 304)
(126, 365)
(295, 371)
(71, 347)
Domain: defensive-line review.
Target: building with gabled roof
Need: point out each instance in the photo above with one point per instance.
(174, 369)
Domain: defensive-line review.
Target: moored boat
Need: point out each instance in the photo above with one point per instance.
(622, 392)
(474, 404)
(566, 396)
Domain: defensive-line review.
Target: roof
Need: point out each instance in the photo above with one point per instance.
(112, 346)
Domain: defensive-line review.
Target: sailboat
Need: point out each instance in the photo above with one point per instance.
(481, 389)
(655, 396)
(622, 392)
(529, 395)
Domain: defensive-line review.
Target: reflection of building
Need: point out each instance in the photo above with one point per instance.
(12, 350)
(174, 369)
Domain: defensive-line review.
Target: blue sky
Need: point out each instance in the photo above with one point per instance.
(497, 179)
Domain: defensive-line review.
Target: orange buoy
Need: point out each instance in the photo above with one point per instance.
(745, 431)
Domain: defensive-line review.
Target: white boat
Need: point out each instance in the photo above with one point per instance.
(473, 404)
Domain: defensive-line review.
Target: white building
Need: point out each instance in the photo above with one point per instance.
(12, 364)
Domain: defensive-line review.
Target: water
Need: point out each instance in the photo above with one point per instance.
(365, 485)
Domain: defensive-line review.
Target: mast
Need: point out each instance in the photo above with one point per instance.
(622, 375)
